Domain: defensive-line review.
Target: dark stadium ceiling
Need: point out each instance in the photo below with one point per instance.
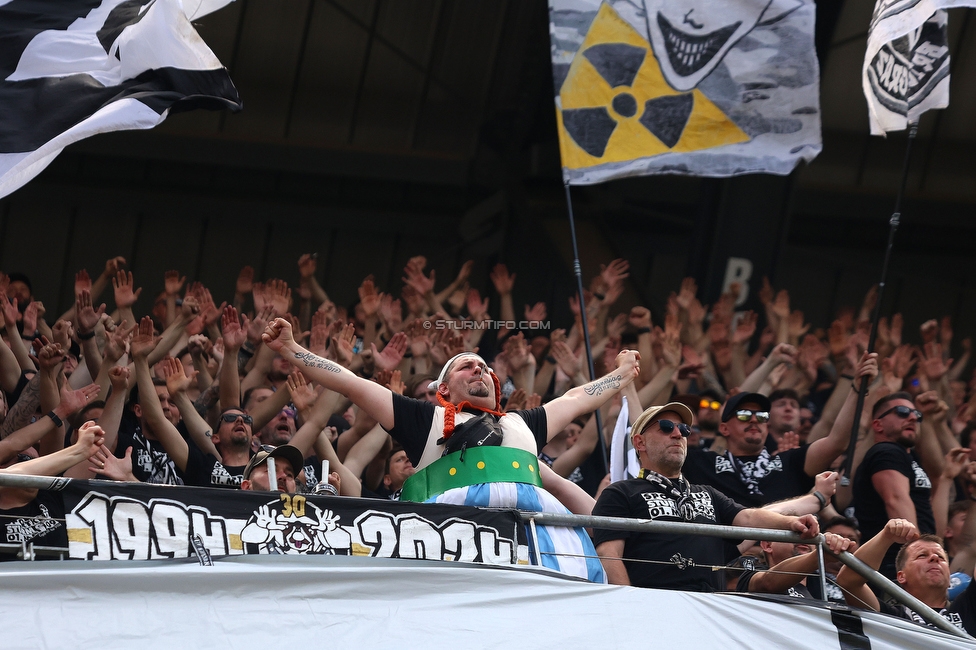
(416, 90)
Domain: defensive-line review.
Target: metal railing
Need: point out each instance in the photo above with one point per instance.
(740, 532)
(622, 523)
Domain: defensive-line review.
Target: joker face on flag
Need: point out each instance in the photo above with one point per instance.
(70, 69)
(695, 87)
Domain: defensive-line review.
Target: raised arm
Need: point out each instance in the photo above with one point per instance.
(782, 353)
(872, 552)
(374, 399)
(821, 453)
(791, 571)
(234, 337)
(90, 437)
(177, 383)
(142, 346)
(589, 397)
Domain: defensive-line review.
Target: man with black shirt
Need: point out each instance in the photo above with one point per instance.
(793, 569)
(660, 437)
(466, 449)
(752, 475)
(922, 569)
(890, 482)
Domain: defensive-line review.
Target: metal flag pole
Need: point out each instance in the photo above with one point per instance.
(893, 224)
(577, 270)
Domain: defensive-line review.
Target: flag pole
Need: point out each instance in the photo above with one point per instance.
(893, 224)
(577, 270)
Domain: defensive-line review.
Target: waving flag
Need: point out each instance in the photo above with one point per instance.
(906, 65)
(72, 68)
(696, 87)
(623, 456)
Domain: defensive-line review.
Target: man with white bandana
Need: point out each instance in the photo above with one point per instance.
(467, 450)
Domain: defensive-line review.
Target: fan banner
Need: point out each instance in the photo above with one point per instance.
(102, 520)
(70, 69)
(693, 87)
(906, 64)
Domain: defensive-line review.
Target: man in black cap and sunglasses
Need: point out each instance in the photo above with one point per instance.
(660, 437)
(890, 482)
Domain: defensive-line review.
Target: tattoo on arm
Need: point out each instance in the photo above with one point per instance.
(313, 361)
(598, 387)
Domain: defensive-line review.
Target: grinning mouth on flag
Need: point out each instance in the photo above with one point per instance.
(689, 53)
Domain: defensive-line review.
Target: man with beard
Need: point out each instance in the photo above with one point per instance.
(890, 483)
(466, 449)
(753, 476)
(660, 492)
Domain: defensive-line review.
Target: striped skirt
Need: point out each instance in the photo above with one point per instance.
(563, 549)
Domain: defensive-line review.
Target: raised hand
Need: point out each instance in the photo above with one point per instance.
(900, 531)
(172, 282)
(796, 325)
(307, 265)
(73, 401)
(119, 378)
(10, 312)
(790, 440)
(30, 318)
(278, 295)
(104, 462)
(302, 393)
(391, 312)
(627, 366)
(689, 289)
(502, 279)
(477, 308)
(615, 272)
(933, 409)
(395, 383)
(124, 295)
(929, 330)
(113, 265)
(536, 312)
(517, 352)
(143, 342)
(516, 401)
(955, 462)
(766, 293)
(85, 315)
(392, 354)
(343, 342)
(781, 306)
(933, 364)
(640, 317)
(231, 329)
(82, 281)
(49, 355)
(745, 328)
(416, 279)
(62, 333)
(897, 324)
(617, 325)
(369, 298)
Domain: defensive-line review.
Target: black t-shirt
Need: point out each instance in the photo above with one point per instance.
(777, 477)
(206, 470)
(689, 558)
(811, 590)
(903, 611)
(965, 606)
(40, 522)
(413, 418)
(869, 507)
(150, 462)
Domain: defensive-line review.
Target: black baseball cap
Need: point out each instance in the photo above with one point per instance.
(744, 398)
(290, 453)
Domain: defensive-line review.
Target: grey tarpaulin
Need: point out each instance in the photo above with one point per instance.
(353, 602)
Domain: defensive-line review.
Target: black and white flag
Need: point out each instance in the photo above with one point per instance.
(70, 69)
(906, 65)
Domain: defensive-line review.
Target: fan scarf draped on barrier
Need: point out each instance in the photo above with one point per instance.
(695, 87)
(906, 65)
(70, 69)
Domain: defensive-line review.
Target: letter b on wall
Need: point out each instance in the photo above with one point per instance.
(739, 269)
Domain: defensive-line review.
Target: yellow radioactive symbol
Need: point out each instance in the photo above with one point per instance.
(584, 88)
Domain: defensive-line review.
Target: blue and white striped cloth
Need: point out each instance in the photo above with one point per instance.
(563, 549)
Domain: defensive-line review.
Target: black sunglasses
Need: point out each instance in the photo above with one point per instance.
(903, 412)
(744, 415)
(231, 418)
(667, 426)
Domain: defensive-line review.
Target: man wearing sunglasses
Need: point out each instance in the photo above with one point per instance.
(890, 482)
(660, 437)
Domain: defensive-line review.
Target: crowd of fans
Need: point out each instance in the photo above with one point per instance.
(738, 417)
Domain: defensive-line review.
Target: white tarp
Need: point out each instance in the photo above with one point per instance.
(348, 602)
(694, 87)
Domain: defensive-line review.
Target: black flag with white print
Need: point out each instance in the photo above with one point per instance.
(70, 69)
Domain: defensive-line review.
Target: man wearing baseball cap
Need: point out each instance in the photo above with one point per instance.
(660, 492)
(289, 461)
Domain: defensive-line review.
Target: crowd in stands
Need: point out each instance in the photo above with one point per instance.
(737, 417)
